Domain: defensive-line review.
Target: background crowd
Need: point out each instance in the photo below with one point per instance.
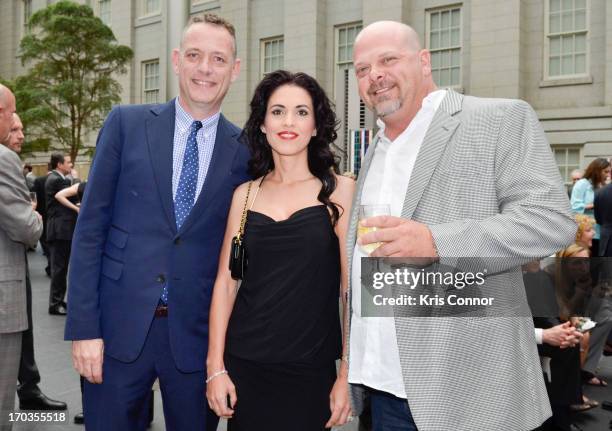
(291, 126)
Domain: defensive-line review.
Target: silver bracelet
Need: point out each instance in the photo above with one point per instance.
(217, 374)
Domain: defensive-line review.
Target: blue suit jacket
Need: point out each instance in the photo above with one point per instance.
(126, 245)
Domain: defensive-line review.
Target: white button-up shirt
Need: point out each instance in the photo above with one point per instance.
(374, 354)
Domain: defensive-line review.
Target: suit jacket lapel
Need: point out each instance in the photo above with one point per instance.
(226, 145)
(351, 237)
(438, 135)
(160, 139)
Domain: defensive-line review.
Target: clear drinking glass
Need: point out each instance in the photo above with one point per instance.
(367, 211)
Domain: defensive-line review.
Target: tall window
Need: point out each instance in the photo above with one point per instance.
(151, 7)
(345, 39)
(444, 42)
(27, 12)
(105, 11)
(349, 106)
(272, 54)
(566, 38)
(150, 81)
(567, 160)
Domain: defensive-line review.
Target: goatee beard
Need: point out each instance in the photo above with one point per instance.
(388, 108)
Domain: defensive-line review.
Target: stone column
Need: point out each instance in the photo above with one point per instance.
(177, 15)
(495, 38)
(379, 10)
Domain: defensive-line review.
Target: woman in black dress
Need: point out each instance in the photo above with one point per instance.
(274, 341)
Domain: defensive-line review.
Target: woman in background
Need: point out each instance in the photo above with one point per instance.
(586, 230)
(72, 196)
(274, 341)
(583, 193)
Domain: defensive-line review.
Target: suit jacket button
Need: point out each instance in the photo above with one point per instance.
(161, 278)
(177, 241)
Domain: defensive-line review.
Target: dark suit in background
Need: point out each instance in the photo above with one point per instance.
(60, 228)
(603, 217)
(41, 208)
(20, 227)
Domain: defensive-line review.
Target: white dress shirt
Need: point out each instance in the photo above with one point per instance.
(205, 138)
(374, 354)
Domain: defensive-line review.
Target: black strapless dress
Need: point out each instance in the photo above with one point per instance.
(284, 334)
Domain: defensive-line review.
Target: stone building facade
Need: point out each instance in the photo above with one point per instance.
(555, 54)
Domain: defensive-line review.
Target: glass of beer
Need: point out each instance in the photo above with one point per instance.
(367, 211)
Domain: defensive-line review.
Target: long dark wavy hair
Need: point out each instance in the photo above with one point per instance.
(594, 172)
(321, 161)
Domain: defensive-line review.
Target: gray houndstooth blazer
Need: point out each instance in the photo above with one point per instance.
(486, 184)
(19, 226)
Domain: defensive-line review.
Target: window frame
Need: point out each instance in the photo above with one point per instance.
(145, 90)
(146, 13)
(446, 8)
(358, 26)
(262, 53)
(24, 20)
(110, 11)
(566, 149)
(547, 37)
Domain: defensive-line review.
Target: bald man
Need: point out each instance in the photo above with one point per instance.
(15, 138)
(463, 177)
(30, 395)
(7, 108)
(20, 227)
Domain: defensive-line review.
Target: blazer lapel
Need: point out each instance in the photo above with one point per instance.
(351, 236)
(160, 139)
(438, 135)
(226, 145)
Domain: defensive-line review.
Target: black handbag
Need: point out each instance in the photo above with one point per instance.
(238, 255)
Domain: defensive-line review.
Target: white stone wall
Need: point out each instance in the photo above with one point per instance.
(502, 52)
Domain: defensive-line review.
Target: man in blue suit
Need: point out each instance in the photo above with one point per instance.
(147, 242)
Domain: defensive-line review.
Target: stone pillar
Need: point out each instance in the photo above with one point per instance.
(379, 10)
(237, 99)
(177, 15)
(305, 34)
(495, 38)
(608, 53)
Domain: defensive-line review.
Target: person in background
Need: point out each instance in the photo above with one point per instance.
(29, 176)
(585, 231)
(60, 228)
(575, 175)
(583, 193)
(41, 208)
(20, 227)
(30, 395)
(603, 216)
(71, 198)
(15, 140)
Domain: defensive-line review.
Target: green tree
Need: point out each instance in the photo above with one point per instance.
(70, 87)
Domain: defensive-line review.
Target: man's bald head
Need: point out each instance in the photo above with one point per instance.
(7, 108)
(402, 33)
(393, 73)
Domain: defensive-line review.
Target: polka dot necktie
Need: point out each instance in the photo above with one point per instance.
(186, 190)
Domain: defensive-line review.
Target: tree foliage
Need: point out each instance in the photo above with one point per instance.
(70, 86)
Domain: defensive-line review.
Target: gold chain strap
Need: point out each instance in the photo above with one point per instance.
(244, 214)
